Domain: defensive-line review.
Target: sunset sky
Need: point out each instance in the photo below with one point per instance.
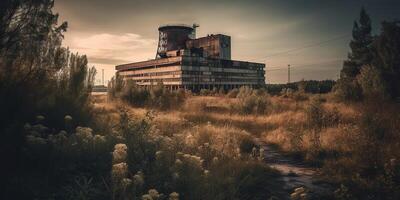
(123, 31)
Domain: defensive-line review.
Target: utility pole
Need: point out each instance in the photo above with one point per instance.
(102, 76)
(288, 76)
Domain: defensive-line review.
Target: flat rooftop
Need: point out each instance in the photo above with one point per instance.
(169, 60)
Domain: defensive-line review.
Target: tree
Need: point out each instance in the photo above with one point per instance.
(386, 56)
(360, 47)
(37, 77)
(347, 88)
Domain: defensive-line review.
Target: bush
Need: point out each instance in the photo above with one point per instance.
(371, 83)
(205, 92)
(244, 92)
(63, 165)
(253, 104)
(233, 93)
(347, 89)
(37, 75)
(156, 97)
(134, 95)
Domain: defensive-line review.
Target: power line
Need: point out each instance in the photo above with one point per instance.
(304, 47)
(306, 65)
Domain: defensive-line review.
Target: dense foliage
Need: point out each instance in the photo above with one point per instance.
(309, 86)
(37, 77)
(157, 96)
(373, 65)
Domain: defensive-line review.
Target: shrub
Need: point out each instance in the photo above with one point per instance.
(253, 104)
(347, 90)
(233, 93)
(371, 83)
(156, 97)
(244, 92)
(205, 92)
(115, 86)
(72, 164)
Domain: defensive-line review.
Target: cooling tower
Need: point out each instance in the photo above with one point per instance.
(173, 37)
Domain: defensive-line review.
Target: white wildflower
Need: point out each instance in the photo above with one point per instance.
(32, 140)
(138, 178)
(159, 155)
(59, 138)
(178, 162)
(197, 160)
(190, 140)
(206, 172)
(173, 196)
(153, 193)
(120, 153)
(179, 154)
(261, 156)
(126, 182)
(63, 132)
(99, 139)
(146, 197)
(39, 118)
(67, 118)
(119, 171)
(84, 133)
(40, 128)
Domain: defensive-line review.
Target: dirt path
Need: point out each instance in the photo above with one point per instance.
(294, 173)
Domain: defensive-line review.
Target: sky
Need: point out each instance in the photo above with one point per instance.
(310, 35)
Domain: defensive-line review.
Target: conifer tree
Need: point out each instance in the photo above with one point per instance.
(360, 47)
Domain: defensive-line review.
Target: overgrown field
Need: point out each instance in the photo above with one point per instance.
(354, 145)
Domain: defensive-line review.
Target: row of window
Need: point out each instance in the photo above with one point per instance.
(219, 73)
(223, 64)
(158, 80)
(195, 73)
(155, 74)
(199, 80)
(221, 79)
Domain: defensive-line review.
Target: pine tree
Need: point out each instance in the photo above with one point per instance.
(360, 47)
(347, 87)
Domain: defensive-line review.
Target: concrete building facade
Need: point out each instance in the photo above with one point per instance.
(203, 63)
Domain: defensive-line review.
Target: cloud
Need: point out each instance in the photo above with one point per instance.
(113, 49)
(105, 50)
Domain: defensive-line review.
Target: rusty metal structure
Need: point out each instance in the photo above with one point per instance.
(184, 61)
(173, 37)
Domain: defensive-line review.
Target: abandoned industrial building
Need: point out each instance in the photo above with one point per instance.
(184, 61)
